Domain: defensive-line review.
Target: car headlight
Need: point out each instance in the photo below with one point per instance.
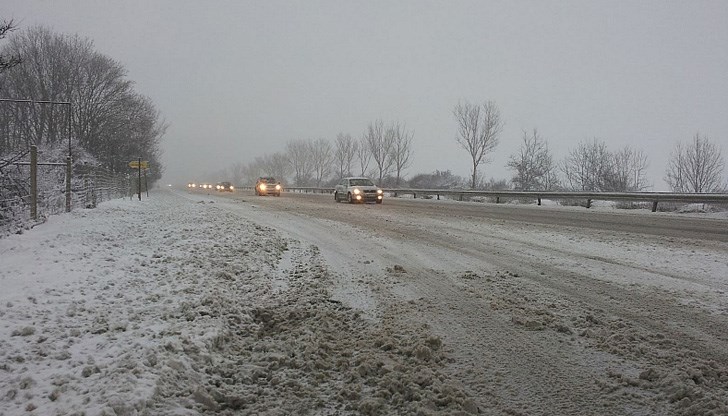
(232, 187)
(379, 191)
(278, 187)
(262, 187)
(356, 191)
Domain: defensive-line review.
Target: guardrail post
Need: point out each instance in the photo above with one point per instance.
(438, 197)
(539, 201)
(497, 199)
(34, 182)
(654, 206)
(588, 203)
(461, 197)
(68, 183)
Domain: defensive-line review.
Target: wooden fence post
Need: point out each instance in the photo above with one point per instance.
(34, 182)
(68, 183)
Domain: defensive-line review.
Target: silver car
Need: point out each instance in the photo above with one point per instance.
(358, 189)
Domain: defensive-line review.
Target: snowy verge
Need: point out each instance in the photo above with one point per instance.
(168, 306)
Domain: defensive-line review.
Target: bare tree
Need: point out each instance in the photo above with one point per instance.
(401, 149)
(299, 158)
(363, 155)
(236, 173)
(591, 167)
(8, 61)
(344, 153)
(533, 165)
(551, 180)
(587, 166)
(478, 131)
(252, 171)
(380, 142)
(696, 167)
(322, 159)
(628, 170)
(277, 165)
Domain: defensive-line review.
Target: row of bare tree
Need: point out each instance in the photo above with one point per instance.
(697, 166)
(108, 120)
(316, 162)
(694, 167)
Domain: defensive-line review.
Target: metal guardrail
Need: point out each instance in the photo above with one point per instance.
(654, 197)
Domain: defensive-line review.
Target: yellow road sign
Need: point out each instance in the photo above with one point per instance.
(134, 164)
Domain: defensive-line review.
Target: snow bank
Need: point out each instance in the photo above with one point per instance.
(168, 306)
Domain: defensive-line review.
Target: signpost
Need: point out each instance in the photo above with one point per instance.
(139, 165)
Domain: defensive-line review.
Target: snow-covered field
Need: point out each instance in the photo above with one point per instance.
(187, 304)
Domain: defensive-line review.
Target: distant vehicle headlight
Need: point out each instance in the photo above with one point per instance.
(278, 187)
(356, 191)
(232, 187)
(379, 191)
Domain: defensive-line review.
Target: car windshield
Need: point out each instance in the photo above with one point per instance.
(360, 182)
(268, 180)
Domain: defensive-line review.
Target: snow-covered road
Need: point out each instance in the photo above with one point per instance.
(188, 303)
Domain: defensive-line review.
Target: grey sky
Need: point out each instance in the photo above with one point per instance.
(238, 79)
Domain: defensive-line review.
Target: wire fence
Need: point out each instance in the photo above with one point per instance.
(21, 208)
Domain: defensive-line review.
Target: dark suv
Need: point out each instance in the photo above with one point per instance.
(268, 185)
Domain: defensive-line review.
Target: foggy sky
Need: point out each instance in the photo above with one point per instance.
(236, 80)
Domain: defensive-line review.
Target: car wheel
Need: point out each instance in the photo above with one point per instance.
(379, 201)
(348, 198)
(336, 197)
